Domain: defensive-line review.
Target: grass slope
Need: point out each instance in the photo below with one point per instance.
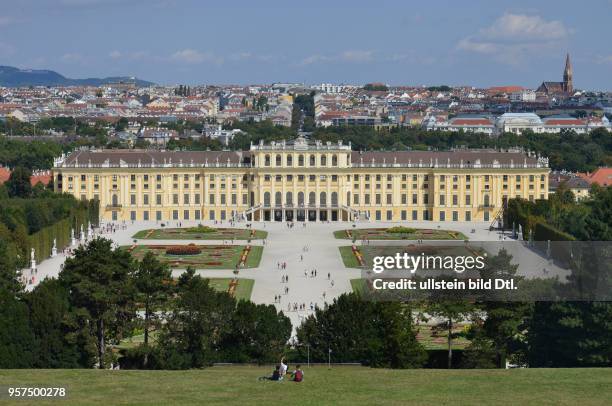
(338, 386)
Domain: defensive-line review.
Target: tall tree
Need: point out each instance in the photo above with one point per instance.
(153, 283)
(504, 322)
(200, 320)
(258, 333)
(61, 341)
(18, 346)
(452, 310)
(19, 184)
(99, 279)
(379, 334)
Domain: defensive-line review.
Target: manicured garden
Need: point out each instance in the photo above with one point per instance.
(202, 256)
(398, 233)
(200, 232)
(347, 385)
(358, 256)
(240, 288)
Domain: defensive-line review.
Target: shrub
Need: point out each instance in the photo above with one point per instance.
(201, 229)
(183, 250)
(401, 230)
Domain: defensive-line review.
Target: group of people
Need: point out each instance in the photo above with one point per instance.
(313, 273)
(300, 306)
(280, 373)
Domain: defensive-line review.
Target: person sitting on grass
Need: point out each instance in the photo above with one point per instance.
(283, 367)
(298, 374)
(276, 375)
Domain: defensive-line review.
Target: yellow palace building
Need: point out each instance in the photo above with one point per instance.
(301, 181)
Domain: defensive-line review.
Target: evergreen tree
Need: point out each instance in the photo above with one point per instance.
(18, 346)
(99, 280)
(504, 322)
(153, 283)
(200, 319)
(62, 343)
(258, 334)
(19, 184)
(379, 334)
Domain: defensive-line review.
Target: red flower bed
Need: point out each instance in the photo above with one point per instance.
(183, 250)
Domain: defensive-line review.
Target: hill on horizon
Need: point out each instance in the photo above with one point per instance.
(15, 77)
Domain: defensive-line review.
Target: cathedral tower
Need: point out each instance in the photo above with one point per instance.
(568, 85)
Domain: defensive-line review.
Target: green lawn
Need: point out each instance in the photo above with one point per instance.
(338, 386)
(203, 233)
(358, 285)
(243, 290)
(210, 257)
(382, 234)
(349, 259)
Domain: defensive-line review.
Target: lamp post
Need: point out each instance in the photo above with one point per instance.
(329, 351)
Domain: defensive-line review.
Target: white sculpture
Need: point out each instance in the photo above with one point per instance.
(82, 234)
(33, 260)
(54, 249)
(72, 239)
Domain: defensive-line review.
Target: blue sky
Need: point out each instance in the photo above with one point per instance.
(479, 42)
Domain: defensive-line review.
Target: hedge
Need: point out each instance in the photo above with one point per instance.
(42, 241)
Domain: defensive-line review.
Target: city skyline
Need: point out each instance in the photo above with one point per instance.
(171, 42)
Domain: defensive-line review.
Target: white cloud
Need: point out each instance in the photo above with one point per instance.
(605, 59)
(512, 37)
(73, 58)
(193, 56)
(353, 56)
(132, 55)
(314, 59)
(356, 56)
(519, 27)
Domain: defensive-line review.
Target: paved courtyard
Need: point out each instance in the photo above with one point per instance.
(303, 249)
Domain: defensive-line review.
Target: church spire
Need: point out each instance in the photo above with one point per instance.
(568, 85)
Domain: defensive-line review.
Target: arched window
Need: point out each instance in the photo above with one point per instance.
(267, 160)
(334, 160)
(323, 160)
(323, 199)
(300, 199)
(312, 199)
(486, 200)
(279, 160)
(300, 160)
(290, 160)
(289, 198)
(312, 160)
(334, 199)
(267, 199)
(278, 199)
(115, 202)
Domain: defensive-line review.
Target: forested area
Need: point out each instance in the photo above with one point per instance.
(32, 217)
(79, 319)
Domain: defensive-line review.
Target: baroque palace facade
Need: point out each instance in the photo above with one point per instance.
(301, 181)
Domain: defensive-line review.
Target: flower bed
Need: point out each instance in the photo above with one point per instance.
(183, 250)
(401, 230)
(358, 255)
(244, 255)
